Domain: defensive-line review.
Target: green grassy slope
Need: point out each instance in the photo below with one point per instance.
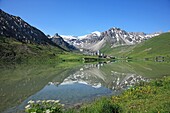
(157, 46)
(150, 97)
(14, 51)
(117, 51)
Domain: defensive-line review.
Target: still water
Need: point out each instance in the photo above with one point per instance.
(72, 84)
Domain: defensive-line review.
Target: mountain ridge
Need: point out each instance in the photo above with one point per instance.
(114, 37)
(15, 27)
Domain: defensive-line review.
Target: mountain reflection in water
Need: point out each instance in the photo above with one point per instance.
(89, 81)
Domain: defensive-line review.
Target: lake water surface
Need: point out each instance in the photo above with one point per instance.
(72, 84)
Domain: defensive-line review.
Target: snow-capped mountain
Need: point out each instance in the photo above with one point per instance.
(114, 37)
(93, 34)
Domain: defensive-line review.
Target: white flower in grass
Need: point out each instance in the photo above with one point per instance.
(48, 101)
(27, 107)
(43, 101)
(30, 102)
(38, 101)
(47, 111)
(57, 101)
(62, 105)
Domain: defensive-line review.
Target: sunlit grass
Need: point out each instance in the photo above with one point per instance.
(156, 46)
(150, 97)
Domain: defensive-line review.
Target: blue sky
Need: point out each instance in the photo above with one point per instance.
(80, 17)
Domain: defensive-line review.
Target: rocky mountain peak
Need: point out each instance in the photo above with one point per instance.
(57, 39)
(57, 35)
(113, 36)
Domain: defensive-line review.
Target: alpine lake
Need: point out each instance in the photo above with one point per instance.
(72, 83)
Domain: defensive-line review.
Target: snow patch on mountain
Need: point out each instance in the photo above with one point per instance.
(82, 37)
(68, 37)
(97, 32)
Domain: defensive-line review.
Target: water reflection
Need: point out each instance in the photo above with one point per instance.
(97, 76)
(85, 84)
(19, 82)
(79, 83)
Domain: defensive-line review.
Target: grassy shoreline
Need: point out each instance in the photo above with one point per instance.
(151, 97)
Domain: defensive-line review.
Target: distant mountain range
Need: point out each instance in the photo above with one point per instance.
(15, 27)
(113, 37)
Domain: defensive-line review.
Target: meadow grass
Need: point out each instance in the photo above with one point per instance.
(152, 97)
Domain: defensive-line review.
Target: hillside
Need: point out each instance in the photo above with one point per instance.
(15, 27)
(20, 42)
(157, 46)
(13, 50)
(151, 48)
